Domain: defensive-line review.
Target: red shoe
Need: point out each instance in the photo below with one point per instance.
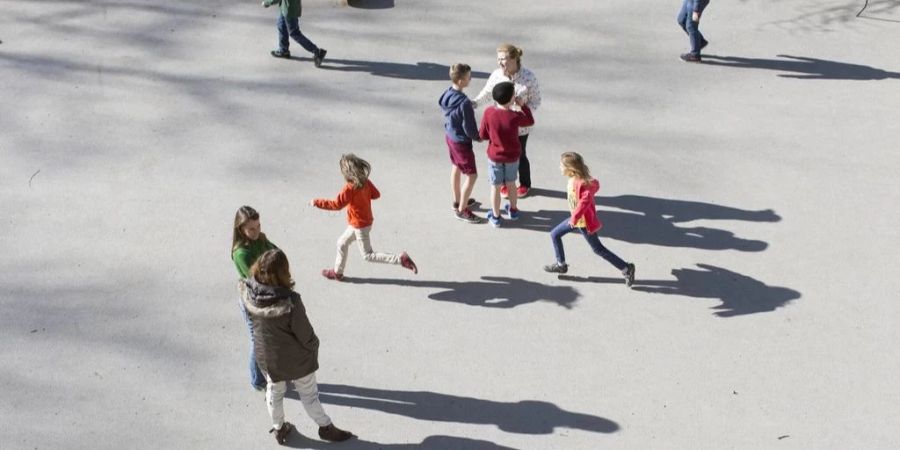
(522, 191)
(408, 263)
(504, 191)
(332, 275)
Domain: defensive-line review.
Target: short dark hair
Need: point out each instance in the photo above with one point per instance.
(503, 92)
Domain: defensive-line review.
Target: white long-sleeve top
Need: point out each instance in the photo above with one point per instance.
(527, 87)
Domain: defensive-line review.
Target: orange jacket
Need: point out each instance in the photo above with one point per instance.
(359, 212)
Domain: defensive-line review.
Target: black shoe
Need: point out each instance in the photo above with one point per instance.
(334, 434)
(690, 57)
(320, 56)
(557, 268)
(703, 44)
(281, 53)
(629, 274)
(469, 204)
(282, 434)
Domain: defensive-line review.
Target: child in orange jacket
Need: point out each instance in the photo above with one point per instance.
(357, 196)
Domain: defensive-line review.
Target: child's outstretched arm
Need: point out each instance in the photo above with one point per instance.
(342, 200)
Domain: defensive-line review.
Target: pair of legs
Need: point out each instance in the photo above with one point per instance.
(361, 236)
(524, 164)
(290, 27)
(503, 174)
(691, 27)
(593, 240)
(307, 389)
(463, 159)
(257, 380)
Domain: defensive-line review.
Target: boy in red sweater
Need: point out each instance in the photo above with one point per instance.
(500, 126)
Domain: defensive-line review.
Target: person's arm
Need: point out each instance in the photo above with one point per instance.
(338, 203)
(585, 199)
(469, 125)
(242, 262)
(301, 327)
(484, 97)
(375, 193)
(524, 118)
(483, 131)
(268, 3)
(534, 93)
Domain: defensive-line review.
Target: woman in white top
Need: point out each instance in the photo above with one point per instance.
(509, 60)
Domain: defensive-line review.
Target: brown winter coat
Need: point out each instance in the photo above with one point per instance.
(284, 342)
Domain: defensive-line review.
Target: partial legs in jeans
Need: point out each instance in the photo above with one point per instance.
(291, 27)
(593, 240)
(524, 164)
(691, 27)
(307, 389)
(256, 376)
(365, 248)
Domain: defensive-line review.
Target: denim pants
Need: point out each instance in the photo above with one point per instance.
(256, 376)
(524, 165)
(290, 26)
(307, 389)
(689, 26)
(565, 228)
(361, 236)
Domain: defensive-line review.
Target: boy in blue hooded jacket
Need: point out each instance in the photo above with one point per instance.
(461, 130)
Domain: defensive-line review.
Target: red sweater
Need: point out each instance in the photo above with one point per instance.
(359, 213)
(501, 128)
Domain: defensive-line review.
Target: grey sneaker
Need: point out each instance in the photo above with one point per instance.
(557, 268)
(469, 217)
(320, 56)
(629, 274)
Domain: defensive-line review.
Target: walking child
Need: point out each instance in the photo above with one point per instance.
(500, 126)
(289, 26)
(285, 344)
(247, 243)
(689, 20)
(581, 190)
(461, 130)
(357, 196)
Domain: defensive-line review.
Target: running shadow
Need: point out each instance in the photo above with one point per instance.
(804, 68)
(523, 417)
(425, 71)
(371, 4)
(740, 295)
(654, 221)
(295, 440)
(493, 292)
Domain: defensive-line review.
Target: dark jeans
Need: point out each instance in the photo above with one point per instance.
(290, 26)
(524, 165)
(257, 379)
(689, 26)
(565, 228)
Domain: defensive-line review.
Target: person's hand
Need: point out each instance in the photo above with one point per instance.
(474, 105)
(312, 202)
(521, 101)
(264, 4)
(695, 17)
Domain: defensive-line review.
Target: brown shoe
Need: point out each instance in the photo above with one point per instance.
(334, 434)
(282, 433)
(408, 263)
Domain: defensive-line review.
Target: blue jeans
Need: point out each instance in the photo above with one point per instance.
(257, 379)
(290, 26)
(689, 26)
(565, 228)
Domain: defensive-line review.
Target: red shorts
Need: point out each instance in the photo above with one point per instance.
(462, 156)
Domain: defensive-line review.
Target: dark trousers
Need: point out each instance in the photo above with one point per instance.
(689, 26)
(593, 240)
(290, 26)
(524, 165)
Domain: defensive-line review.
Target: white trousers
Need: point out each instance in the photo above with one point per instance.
(361, 235)
(309, 395)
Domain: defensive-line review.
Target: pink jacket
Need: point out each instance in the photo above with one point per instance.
(584, 205)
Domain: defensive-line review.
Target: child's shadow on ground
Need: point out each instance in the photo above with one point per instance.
(426, 71)
(740, 295)
(295, 440)
(493, 292)
(650, 220)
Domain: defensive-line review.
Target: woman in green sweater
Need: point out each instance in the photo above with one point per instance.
(248, 243)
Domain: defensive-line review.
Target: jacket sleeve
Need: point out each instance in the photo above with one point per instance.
(483, 131)
(534, 93)
(525, 119)
(469, 125)
(376, 194)
(340, 202)
(585, 198)
(242, 262)
(301, 327)
(485, 96)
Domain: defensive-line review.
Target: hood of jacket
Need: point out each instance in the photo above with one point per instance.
(265, 300)
(450, 100)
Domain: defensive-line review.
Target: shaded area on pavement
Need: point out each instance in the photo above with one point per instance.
(804, 68)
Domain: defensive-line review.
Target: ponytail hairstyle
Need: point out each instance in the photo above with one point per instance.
(355, 170)
(513, 52)
(272, 268)
(574, 166)
(243, 215)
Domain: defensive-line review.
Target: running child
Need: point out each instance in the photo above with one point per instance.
(357, 196)
(500, 126)
(461, 130)
(581, 190)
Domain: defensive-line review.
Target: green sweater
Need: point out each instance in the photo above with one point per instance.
(289, 8)
(245, 256)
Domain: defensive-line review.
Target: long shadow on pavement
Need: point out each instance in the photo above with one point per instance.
(431, 443)
(426, 71)
(740, 295)
(493, 292)
(650, 220)
(805, 68)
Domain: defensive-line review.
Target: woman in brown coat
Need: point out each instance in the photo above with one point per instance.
(285, 344)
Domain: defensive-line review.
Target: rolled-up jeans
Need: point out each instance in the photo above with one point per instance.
(593, 240)
(307, 389)
(361, 235)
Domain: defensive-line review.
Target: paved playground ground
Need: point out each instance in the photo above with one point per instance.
(755, 192)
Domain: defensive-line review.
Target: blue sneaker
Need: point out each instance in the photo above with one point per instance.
(512, 212)
(495, 221)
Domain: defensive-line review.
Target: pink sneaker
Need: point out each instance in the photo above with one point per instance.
(408, 263)
(522, 191)
(332, 275)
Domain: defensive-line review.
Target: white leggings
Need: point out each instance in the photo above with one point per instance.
(309, 395)
(361, 235)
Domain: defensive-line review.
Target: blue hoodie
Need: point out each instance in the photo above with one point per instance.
(459, 116)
